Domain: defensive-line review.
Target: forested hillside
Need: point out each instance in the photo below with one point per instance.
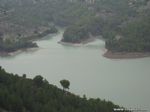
(20, 94)
(124, 24)
(134, 35)
(31, 19)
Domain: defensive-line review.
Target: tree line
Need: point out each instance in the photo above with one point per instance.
(125, 25)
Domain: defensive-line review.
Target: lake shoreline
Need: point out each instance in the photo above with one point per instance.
(83, 42)
(125, 55)
(20, 50)
(14, 53)
(110, 54)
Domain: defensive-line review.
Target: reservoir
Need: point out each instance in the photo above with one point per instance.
(126, 82)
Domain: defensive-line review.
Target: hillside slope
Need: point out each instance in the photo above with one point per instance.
(119, 22)
(124, 24)
(20, 94)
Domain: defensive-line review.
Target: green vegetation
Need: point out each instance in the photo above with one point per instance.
(39, 35)
(135, 37)
(125, 25)
(36, 13)
(33, 19)
(103, 18)
(111, 19)
(11, 45)
(53, 29)
(20, 94)
(65, 84)
(82, 30)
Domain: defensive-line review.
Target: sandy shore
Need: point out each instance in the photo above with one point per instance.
(125, 55)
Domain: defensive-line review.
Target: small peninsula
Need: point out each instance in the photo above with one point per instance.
(19, 43)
